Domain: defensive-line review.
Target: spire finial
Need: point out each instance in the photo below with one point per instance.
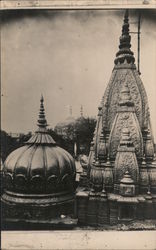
(126, 14)
(42, 123)
(70, 110)
(124, 53)
(125, 37)
(81, 111)
(125, 27)
(41, 136)
(42, 99)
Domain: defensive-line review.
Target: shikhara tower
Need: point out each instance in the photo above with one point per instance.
(121, 177)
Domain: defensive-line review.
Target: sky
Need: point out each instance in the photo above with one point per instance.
(68, 56)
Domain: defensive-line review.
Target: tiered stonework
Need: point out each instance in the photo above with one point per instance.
(121, 165)
(39, 179)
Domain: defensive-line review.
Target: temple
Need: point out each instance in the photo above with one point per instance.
(119, 183)
(39, 179)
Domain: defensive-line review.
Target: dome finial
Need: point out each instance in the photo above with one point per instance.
(124, 53)
(42, 122)
(42, 99)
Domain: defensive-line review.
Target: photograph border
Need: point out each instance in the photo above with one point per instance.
(77, 239)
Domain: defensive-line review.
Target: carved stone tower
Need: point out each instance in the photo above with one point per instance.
(122, 156)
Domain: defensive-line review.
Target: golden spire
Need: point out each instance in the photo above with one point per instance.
(42, 122)
(41, 136)
(124, 52)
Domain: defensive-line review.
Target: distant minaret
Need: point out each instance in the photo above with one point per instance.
(81, 111)
(70, 110)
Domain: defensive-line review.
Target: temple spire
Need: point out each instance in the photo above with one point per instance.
(42, 122)
(124, 53)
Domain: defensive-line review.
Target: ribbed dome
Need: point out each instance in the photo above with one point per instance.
(39, 167)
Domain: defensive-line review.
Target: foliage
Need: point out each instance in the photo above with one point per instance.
(64, 142)
(9, 143)
(80, 132)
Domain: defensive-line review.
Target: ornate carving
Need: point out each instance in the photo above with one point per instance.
(96, 178)
(125, 120)
(137, 93)
(37, 184)
(127, 187)
(143, 177)
(108, 176)
(126, 161)
(51, 184)
(121, 77)
(90, 160)
(149, 147)
(144, 99)
(152, 176)
(20, 182)
(124, 108)
(106, 97)
(92, 208)
(101, 147)
(8, 181)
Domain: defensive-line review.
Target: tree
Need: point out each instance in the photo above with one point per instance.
(9, 143)
(79, 132)
(84, 129)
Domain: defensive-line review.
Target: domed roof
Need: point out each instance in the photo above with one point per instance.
(69, 120)
(40, 166)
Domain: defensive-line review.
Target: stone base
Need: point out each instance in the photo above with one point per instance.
(83, 180)
(36, 207)
(116, 208)
(66, 223)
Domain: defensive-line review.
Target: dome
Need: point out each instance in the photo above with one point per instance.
(69, 120)
(39, 169)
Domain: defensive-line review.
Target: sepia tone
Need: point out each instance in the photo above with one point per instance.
(122, 165)
(117, 184)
